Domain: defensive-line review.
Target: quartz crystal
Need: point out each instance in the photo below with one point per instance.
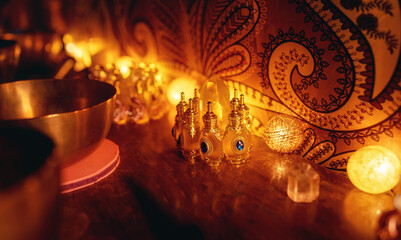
(216, 91)
(303, 183)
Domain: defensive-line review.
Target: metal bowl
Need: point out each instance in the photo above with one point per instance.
(75, 114)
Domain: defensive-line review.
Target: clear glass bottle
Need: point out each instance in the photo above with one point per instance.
(182, 106)
(236, 141)
(211, 145)
(190, 135)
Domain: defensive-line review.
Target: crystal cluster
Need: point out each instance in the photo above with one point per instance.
(209, 143)
(140, 91)
(303, 183)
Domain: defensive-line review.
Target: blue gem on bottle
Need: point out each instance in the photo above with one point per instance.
(204, 147)
(240, 145)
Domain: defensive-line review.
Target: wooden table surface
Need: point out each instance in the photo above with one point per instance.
(155, 194)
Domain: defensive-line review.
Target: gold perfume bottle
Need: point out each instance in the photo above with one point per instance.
(235, 98)
(190, 134)
(179, 120)
(211, 145)
(236, 141)
(243, 109)
(196, 104)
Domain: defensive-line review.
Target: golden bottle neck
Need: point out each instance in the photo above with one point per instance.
(210, 124)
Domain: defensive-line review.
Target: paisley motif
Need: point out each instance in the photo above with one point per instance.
(216, 28)
(299, 61)
(343, 107)
(135, 36)
(170, 33)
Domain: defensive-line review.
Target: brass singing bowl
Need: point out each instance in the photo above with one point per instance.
(75, 114)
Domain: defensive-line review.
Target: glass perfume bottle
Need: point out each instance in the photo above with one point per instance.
(236, 141)
(179, 120)
(190, 135)
(210, 143)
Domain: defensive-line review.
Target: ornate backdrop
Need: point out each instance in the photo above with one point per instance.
(334, 65)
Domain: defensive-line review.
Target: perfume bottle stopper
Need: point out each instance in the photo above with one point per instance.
(196, 103)
(235, 117)
(235, 98)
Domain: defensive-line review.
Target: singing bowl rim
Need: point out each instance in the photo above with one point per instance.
(66, 150)
(54, 115)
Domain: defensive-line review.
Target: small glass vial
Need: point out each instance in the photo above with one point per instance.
(236, 141)
(182, 106)
(210, 143)
(190, 135)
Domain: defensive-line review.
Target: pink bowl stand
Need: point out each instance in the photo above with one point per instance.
(91, 169)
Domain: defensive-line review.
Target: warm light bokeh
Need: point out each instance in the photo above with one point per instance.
(175, 87)
(82, 51)
(124, 65)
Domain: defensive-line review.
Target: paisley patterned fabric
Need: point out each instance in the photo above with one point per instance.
(333, 64)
